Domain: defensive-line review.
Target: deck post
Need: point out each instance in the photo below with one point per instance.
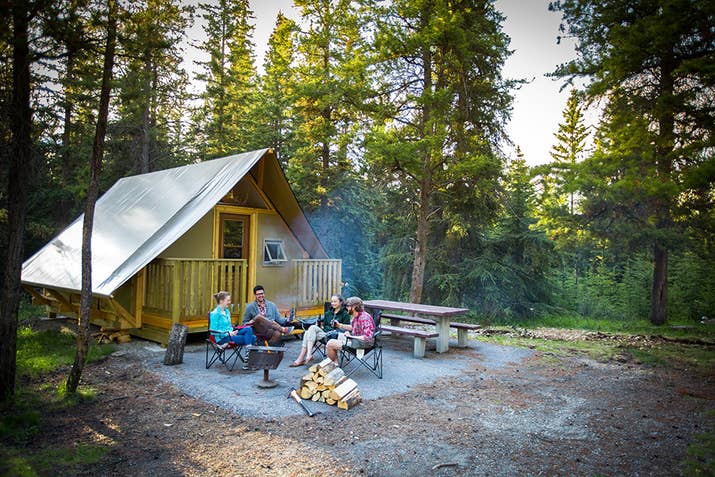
(175, 291)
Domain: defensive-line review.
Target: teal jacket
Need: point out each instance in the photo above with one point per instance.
(342, 316)
(220, 323)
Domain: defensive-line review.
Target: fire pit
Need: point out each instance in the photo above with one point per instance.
(265, 358)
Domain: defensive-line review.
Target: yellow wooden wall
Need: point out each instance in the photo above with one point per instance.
(276, 278)
(196, 242)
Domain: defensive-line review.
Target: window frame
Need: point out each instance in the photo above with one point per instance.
(266, 251)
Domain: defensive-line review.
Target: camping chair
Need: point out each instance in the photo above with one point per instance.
(227, 354)
(319, 345)
(352, 358)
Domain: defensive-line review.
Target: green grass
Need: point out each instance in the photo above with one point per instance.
(639, 327)
(61, 460)
(701, 453)
(39, 355)
(695, 358)
(41, 352)
(594, 349)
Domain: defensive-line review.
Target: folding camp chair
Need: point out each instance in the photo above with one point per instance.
(353, 356)
(227, 354)
(319, 345)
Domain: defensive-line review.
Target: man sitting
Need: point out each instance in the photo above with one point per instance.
(263, 316)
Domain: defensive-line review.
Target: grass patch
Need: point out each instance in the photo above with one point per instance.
(67, 460)
(594, 349)
(701, 456)
(41, 352)
(696, 358)
(634, 327)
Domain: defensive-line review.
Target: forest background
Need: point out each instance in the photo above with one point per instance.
(389, 119)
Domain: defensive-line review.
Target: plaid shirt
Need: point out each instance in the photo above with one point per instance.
(363, 325)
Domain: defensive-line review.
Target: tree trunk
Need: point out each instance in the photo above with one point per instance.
(423, 216)
(660, 285)
(146, 119)
(19, 167)
(177, 341)
(67, 167)
(92, 193)
(664, 149)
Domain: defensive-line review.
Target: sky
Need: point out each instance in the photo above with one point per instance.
(538, 105)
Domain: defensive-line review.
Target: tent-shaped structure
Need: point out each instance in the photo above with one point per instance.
(165, 241)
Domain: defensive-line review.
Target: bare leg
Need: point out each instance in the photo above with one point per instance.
(332, 350)
(301, 356)
(313, 334)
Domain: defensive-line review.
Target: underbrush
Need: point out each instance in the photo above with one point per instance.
(43, 359)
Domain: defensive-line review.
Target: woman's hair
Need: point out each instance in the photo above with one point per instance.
(355, 302)
(339, 297)
(221, 296)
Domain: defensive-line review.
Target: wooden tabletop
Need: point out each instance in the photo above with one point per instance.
(430, 310)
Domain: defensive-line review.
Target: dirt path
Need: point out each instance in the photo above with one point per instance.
(542, 416)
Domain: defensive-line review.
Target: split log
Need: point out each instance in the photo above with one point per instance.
(340, 392)
(333, 377)
(175, 348)
(327, 383)
(351, 400)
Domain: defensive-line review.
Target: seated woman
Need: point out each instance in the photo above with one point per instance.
(361, 328)
(221, 327)
(317, 332)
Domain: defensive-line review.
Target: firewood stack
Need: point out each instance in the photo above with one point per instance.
(327, 383)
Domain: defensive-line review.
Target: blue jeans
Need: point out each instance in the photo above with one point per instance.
(245, 336)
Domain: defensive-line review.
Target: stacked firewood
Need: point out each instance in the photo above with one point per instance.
(327, 383)
(108, 335)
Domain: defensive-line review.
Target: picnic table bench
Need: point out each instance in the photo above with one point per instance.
(441, 315)
(420, 337)
(462, 328)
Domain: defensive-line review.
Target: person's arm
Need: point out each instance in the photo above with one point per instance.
(272, 312)
(365, 327)
(248, 314)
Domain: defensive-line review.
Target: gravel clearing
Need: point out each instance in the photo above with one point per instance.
(487, 410)
(236, 390)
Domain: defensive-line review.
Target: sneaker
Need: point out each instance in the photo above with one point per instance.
(289, 330)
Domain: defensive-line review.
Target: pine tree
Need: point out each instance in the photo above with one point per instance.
(152, 89)
(277, 90)
(331, 84)
(652, 61)
(444, 105)
(568, 150)
(225, 121)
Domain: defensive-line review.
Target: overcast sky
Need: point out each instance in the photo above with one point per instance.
(533, 30)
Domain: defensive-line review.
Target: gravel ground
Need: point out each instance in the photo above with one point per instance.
(236, 390)
(487, 410)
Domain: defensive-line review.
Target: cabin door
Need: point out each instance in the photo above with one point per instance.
(234, 240)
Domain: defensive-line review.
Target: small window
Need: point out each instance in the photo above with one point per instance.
(273, 252)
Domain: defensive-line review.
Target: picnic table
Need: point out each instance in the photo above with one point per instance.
(442, 316)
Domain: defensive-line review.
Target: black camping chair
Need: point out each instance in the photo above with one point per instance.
(319, 345)
(353, 356)
(227, 354)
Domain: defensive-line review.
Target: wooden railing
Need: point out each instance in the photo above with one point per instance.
(183, 288)
(316, 280)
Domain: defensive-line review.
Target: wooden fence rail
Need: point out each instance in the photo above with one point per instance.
(183, 288)
(315, 280)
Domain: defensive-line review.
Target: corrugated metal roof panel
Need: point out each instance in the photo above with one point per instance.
(135, 221)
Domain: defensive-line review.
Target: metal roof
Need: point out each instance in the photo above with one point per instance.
(136, 220)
